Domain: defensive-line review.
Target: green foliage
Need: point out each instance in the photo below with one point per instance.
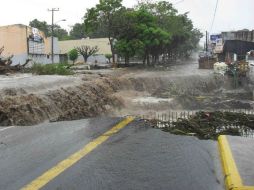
(60, 33)
(78, 31)
(102, 16)
(51, 69)
(108, 56)
(143, 37)
(43, 26)
(87, 51)
(73, 55)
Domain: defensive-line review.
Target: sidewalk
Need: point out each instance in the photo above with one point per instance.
(243, 152)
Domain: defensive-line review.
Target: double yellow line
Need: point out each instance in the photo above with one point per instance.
(74, 158)
(233, 179)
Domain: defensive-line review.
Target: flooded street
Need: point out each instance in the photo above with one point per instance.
(119, 92)
(181, 88)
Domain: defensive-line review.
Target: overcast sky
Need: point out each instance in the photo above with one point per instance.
(230, 15)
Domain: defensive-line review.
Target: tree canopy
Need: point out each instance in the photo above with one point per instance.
(73, 55)
(87, 51)
(59, 32)
(78, 31)
(103, 16)
(150, 31)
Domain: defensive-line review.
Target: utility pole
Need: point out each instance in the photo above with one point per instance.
(206, 41)
(52, 32)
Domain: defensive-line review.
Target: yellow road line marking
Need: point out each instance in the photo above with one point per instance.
(74, 158)
(233, 179)
(244, 188)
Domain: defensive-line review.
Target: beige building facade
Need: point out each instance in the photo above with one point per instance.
(25, 42)
(102, 44)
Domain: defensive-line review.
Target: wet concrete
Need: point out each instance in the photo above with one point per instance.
(138, 157)
(243, 153)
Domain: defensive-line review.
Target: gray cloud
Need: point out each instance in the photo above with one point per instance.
(231, 14)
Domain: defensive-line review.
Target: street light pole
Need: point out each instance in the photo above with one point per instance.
(52, 32)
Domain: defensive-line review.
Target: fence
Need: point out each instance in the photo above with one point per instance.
(162, 120)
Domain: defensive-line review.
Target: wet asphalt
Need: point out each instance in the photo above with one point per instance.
(138, 157)
(243, 152)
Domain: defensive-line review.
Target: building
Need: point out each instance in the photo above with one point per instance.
(234, 43)
(102, 43)
(25, 42)
(243, 35)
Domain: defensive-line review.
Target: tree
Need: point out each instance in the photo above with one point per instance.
(60, 33)
(150, 30)
(178, 25)
(102, 16)
(73, 55)
(41, 25)
(78, 31)
(141, 37)
(108, 56)
(87, 51)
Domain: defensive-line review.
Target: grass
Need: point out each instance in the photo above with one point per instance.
(51, 69)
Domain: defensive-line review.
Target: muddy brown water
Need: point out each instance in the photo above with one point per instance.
(132, 92)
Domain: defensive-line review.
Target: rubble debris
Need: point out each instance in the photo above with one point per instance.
(6, 64)
(209, 125)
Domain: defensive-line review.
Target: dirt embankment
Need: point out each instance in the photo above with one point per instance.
(18, 107)
(122, 94)
(88, 99)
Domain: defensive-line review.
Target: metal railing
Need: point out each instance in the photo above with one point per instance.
(162, 120)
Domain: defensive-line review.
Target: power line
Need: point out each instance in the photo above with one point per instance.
(178, 2)
(215, 10)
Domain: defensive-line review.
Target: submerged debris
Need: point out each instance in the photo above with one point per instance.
(209, 125)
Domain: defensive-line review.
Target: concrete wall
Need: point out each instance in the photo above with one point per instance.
(14, 40)
(101, 43)
(91, 59)
(44, 59)
(19, 59)
(48, 47)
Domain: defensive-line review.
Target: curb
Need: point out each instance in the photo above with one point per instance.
(232, 177)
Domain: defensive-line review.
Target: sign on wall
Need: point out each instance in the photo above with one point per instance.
(36, 42)
(35, 35)
(214, 37)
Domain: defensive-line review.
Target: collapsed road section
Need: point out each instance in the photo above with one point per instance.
(28, 99)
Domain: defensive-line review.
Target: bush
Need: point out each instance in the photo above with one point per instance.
(73, 55)
(51, 69)
(108, 56)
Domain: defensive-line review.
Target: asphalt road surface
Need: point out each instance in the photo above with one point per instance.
(136, 157)
(243, 153)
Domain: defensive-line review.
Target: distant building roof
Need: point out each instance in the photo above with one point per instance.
(14, 25)
(238, 47)
(102, 43)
